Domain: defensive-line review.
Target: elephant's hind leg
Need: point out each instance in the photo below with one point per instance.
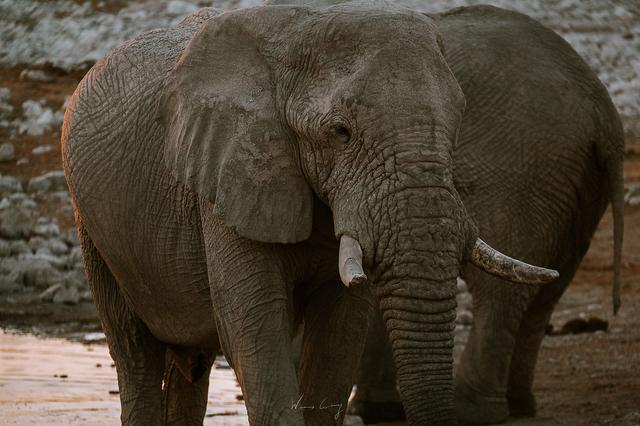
(376, 399)
(184, 396)
(138, 356)
(335, 327)
(483, 370)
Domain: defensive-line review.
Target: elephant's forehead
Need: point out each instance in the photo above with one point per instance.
(344, 33)
(367, 24)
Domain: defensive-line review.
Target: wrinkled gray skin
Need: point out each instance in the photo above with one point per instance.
(539, 157)
(193, 153)
(212, 167)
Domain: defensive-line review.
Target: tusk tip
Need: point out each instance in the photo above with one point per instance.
(544, 276)
(550, 275)
(357, 280)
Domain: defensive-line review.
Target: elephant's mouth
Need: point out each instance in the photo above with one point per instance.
(482, 255)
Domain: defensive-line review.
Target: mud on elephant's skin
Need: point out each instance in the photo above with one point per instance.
(218, 171)
(538, 159)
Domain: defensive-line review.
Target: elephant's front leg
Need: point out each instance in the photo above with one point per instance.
(251, 297)
(335, 328)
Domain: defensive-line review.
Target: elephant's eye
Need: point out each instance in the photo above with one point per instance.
(341, 133)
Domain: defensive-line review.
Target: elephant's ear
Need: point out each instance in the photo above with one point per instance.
(224, 136)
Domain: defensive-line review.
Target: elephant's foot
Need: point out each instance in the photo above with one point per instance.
(476, 408)
(521, 403)
(377, 412)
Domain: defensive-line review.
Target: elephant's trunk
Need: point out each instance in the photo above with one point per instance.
(416, 267)
(422, 344)
(418, 306)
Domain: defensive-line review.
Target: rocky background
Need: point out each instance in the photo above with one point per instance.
(43, 40)
(35, 255)
(72, 35)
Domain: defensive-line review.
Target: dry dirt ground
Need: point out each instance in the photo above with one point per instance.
(591, 378)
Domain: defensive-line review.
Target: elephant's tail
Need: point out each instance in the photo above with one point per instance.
(611, 149)
(615, 170)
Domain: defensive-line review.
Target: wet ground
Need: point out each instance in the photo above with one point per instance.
(58, 382)
(582, 379)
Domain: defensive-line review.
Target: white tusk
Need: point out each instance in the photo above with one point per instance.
(492, 261)
(350, 262)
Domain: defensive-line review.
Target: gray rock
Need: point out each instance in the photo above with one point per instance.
(35, 75)
(57, 246)
(51, 181)
(20, 247)
(22, 162)
(41, 277)
(221, 363)
(71, 237)
(47, 230)
(48, 245)
(8, 264)
(38, 184)
(58, 180)
(39, 119)
(43, 251)
(36, 243)
(67, 296)
(41, 149)
(75, 278)
(632, 196)
(75, 258)
(9, 185)
(61, 196)
(15, 222)
(59, 262)
(47, 295)
(7, 152)
(11, 282)
(85, 296)
(5, 248)
(6, 109)
(22, 200)
(97, 337)
(39, 272)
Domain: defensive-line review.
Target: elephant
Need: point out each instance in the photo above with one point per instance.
(539, 156)
(244, 172)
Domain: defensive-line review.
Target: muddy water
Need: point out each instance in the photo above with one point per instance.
(57, 382)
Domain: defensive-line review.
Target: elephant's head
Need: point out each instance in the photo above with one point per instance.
(270, 105)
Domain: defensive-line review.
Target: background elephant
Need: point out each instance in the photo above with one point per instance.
(213, 168)
(539, 157)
